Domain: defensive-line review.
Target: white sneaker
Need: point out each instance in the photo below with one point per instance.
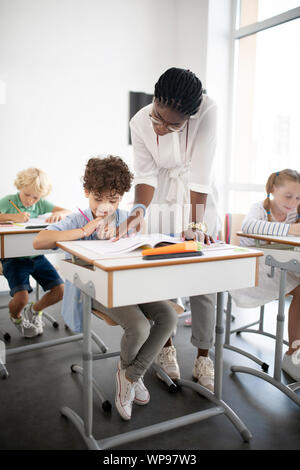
(291, 364)
(27, 329)
(125, 393)
(142, 395)
(34, 317)
(166, 359)
(203, 372)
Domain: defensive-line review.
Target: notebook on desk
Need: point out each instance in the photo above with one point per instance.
(125, 245)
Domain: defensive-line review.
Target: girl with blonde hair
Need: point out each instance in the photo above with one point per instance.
(277, 215)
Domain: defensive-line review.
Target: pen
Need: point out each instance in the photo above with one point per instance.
(20, 212)
(83, 215)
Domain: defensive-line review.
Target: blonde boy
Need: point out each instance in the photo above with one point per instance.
(33, 186)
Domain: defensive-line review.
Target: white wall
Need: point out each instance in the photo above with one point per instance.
(68, 67)
(219, 76)
(191, 36)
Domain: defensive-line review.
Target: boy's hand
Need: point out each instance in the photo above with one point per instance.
(197, 235)
(133, 223)
(54, 217)
(23, 217)
(90, 227)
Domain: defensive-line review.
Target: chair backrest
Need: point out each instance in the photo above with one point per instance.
(232, 224)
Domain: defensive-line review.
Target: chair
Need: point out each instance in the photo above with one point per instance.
(106, 405)
(232, 224)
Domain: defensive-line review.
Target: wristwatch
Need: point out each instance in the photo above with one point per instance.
(198, 226)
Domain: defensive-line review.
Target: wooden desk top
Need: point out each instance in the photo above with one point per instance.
(134, 260)
(289, 240)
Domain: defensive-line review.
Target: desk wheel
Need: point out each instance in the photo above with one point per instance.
(173, 388)
(106, 406)
(73, 368)
(265, 367)
(55, 324)
(6, 337)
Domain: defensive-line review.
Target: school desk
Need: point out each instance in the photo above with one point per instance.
(109, 280)
(16, 242)
(282, 253)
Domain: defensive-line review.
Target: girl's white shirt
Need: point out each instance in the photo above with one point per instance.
(256, 222)
(268, 288)
(177, 163)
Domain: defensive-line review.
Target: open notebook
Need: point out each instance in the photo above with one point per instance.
(36, 221)
(32, 223)
(125, 245)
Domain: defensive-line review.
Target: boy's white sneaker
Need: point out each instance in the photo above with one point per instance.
(125, 393)
(167, 360)
(27, 329)
(291, 364)
(142, 395)
(203, 372)
(34, 317)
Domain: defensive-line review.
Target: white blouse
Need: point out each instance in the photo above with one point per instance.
(178, 162)
(149, 156)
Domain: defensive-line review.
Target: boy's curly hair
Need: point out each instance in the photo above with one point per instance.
(107, 175)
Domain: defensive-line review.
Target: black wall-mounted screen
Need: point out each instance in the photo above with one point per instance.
(137, 100)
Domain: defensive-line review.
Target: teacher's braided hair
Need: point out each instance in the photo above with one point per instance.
(278, 179)
(179, 89)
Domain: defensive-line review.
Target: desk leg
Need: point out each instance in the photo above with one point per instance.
(87, 360)
(219, 346)
(289, 390)
(3, 371)
(279, 327)
(216, 397)
(85, 425)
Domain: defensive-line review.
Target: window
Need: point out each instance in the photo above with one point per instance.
(252, 11)
(266, 120)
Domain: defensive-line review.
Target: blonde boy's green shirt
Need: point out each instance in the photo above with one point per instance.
(39, 208)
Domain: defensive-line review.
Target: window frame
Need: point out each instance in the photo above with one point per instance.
(238, 33)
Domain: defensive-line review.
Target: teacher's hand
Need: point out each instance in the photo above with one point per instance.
(197, 235)
(132, 224)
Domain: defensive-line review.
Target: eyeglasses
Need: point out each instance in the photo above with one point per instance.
(161, 122)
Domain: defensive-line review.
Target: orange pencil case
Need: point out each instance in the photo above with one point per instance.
(173, 248)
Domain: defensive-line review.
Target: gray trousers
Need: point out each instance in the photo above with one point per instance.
(141, 341)
(203, 320)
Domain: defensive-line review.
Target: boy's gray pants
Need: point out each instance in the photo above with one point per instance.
(141, 341)
(203, 320)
